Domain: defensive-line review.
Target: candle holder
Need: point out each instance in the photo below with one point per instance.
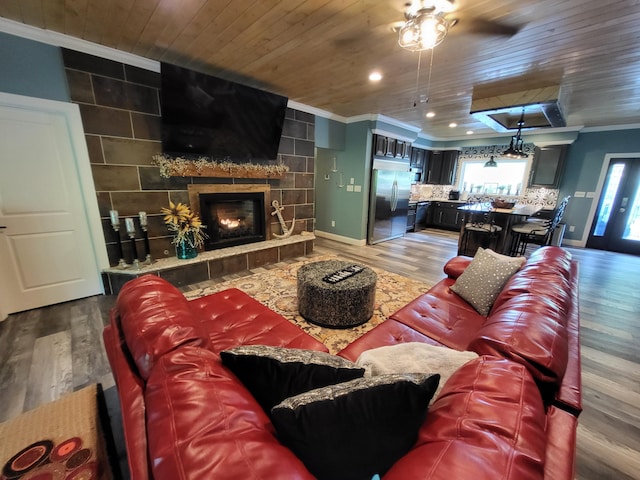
(136, 262)
(131, 231)
(145, 233)
(147, 260)
(115, 224)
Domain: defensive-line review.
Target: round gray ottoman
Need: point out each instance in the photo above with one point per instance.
(336, 294)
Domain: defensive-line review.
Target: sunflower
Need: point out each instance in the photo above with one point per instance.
(184, 224)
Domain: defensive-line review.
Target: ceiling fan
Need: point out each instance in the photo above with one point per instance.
(427, 23)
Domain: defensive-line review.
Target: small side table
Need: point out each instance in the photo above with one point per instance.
(344, 304)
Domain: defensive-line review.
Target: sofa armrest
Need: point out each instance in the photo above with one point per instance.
(454, 267)
(131, 395)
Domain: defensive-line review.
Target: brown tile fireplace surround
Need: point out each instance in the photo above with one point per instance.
(121, 115)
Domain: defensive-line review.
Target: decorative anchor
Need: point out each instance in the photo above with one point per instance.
(277, 211)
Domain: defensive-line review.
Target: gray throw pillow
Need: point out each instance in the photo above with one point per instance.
(484, 278)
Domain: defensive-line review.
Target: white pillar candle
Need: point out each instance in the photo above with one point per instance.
(143, 218)
(130, 226)
(115, 220)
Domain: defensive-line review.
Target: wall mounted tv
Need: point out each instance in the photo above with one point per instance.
(209, 116)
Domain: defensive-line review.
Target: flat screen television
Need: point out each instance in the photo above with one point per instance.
(209, 116)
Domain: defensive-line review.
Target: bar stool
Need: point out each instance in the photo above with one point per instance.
(480, 226)
(538, 232)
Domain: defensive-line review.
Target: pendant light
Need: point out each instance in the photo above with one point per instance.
(491, 163)
(516, 147)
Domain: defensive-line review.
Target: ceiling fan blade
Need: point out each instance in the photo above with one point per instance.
(485, 27)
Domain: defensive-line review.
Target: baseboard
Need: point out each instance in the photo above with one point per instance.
(340, 238)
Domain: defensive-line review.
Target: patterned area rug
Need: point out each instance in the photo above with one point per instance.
(277, 289)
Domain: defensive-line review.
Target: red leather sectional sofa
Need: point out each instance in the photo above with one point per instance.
(510, 414)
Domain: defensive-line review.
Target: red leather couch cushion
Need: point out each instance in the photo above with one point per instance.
(528, 329)
(442, 315)
(488, 423)
(386, 334)
(203, 423)
(155, 318)
(232, 318)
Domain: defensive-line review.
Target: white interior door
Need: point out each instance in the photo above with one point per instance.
(47, 247)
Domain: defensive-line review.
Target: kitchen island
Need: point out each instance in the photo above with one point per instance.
(504, 218)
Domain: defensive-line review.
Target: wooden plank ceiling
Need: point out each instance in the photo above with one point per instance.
(320, 52)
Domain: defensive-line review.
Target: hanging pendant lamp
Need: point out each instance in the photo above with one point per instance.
(491, 163)
(516, 147)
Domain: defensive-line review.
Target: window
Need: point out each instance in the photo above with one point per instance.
(505, 179)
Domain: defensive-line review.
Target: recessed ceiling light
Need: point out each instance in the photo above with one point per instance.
(453, 124)
(431, 114)
(375, 76)
(469, 132)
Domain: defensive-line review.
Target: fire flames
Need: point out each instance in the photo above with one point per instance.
(229, 223)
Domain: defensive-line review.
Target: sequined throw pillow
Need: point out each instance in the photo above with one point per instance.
(484, 278)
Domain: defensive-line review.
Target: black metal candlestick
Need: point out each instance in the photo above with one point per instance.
(115, 223)
(145, 233)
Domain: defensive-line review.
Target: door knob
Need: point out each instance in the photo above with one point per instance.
(2, 226)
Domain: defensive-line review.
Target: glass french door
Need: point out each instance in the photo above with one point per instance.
(616, 226)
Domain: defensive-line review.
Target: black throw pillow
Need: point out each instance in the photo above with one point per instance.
(272, 374)
(356, 429)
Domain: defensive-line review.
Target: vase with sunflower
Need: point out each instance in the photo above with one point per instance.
(187, 229)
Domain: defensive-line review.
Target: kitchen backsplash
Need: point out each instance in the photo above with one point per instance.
(544, 197)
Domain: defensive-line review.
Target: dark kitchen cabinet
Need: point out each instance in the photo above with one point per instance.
(390, 147)
(547, 166)
(403, 149)
(446, 215)
(440, 167)
(417, 158)
(411, 217)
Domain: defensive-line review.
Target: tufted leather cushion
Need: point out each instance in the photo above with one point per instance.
(387, 333)
(232, 318)
(155, 318)
(489, 422)
(443, 316)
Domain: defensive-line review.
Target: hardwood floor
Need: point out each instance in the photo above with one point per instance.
(47, 352)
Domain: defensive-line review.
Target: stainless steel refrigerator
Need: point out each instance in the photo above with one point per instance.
(389, 204)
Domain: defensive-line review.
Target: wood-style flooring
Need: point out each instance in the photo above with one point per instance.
(48, 352)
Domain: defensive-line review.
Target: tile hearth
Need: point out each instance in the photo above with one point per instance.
(214, 263)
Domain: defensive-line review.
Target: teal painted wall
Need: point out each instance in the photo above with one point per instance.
(32, 69)
(330, 133)
(333, 203)
(584, 162)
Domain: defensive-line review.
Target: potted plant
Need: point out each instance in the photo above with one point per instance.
(187, 229)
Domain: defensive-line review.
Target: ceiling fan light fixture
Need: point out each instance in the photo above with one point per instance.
(423, 32)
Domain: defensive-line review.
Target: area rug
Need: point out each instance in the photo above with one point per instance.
(276, 289)
(61, 440)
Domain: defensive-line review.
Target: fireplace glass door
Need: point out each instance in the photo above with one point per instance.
(233, 218)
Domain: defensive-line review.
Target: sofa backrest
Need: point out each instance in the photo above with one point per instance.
(155, 318)
(528, 321)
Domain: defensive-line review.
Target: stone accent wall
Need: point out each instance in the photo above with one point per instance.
(120, 109)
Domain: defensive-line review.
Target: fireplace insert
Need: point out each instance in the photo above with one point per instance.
(233, 218)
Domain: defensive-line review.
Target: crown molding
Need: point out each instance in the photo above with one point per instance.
(65, 41)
